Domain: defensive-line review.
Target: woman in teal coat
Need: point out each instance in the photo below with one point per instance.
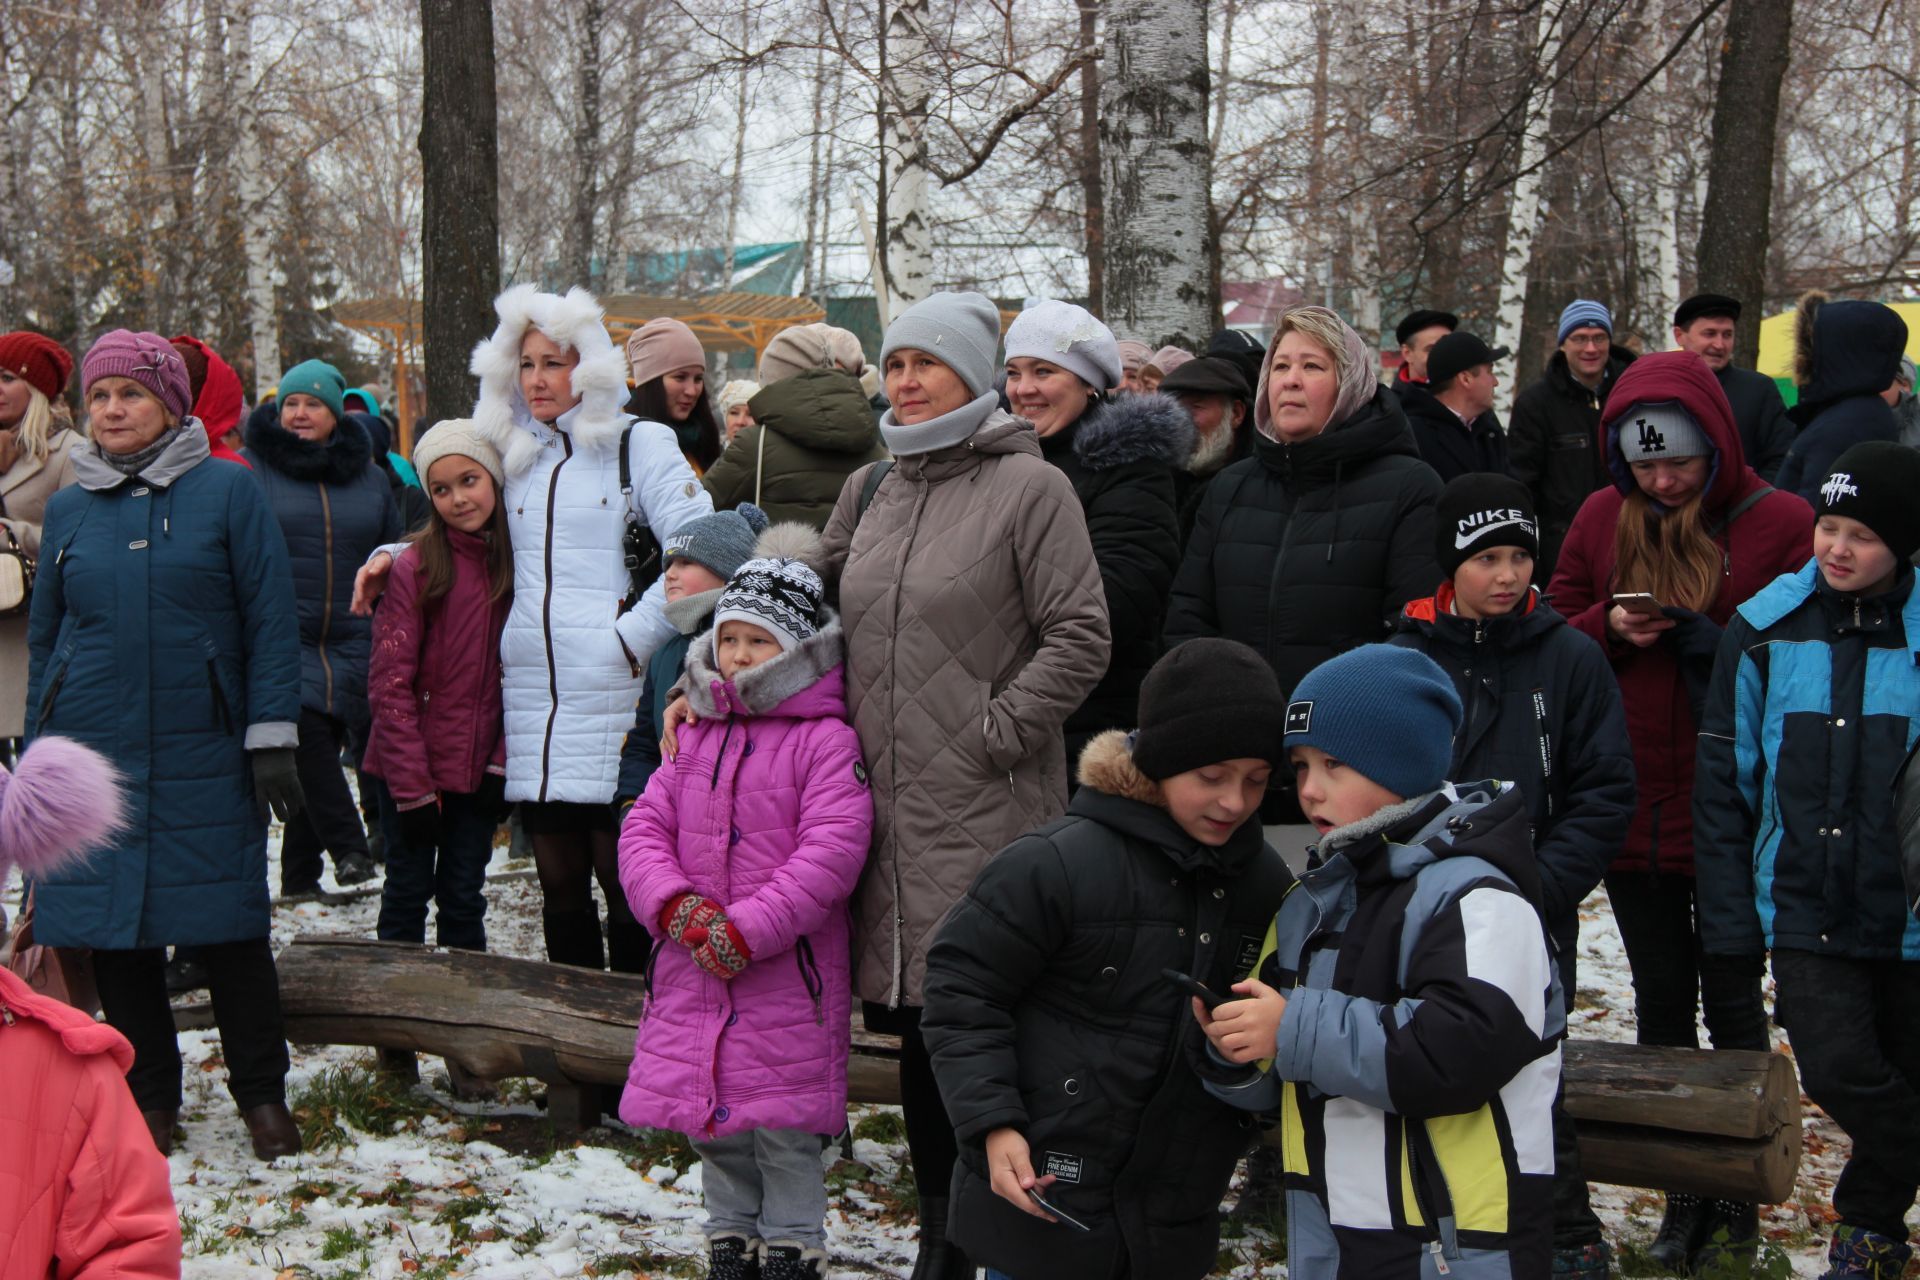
(163, 635)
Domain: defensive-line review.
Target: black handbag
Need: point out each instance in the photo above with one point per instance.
(640, 548)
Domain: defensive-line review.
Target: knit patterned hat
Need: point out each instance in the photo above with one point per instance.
(1067, 336)
(1584, 313)
(39, 361)
(1649, 432)
(1206, 701)
(148, 359)
(1875, 482)
(783, 596)
(1389, 712)
(318, 379)
(721, 542)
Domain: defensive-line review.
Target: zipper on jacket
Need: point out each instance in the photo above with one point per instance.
(546, 615)
(899, 975)
(222, 714)
(326, 599)
(810, 977)
(46, 699)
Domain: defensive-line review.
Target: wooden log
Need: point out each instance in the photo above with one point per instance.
(1725, 1125)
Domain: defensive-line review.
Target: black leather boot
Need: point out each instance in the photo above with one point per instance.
(939, 1258)
(1729, 1240)
(573, 937)
(1681, 1231)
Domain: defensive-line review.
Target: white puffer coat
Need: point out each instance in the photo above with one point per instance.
(571, 667)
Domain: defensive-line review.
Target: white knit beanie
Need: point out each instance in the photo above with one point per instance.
(457, 437)
(1068, 336)
(738, 391)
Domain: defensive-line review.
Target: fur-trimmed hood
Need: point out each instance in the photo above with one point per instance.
(1842, 349)
(576, 322)
(1149, 427)
(1107, 765)
(807, 682)
(339, 460)
(1804, 315)
(1114, 793)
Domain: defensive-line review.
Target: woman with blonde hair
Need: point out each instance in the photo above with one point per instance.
(36, 430)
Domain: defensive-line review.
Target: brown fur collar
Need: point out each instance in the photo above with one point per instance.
(1107, 765)
(1810, 304)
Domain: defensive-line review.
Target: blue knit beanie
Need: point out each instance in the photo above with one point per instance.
(960, 330)
(318, 379)
(1584, 313)
(1389, 712)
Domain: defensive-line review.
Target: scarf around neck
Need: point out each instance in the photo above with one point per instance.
(943, 432)
(132, 464)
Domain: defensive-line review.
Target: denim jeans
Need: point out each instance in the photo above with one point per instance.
(765, 1184)
(452, 877)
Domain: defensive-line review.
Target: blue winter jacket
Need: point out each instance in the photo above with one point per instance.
(1856, 352)
(162, 635)
(1815, 703)
(334, 507)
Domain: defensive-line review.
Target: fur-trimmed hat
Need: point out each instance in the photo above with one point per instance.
(573, 322)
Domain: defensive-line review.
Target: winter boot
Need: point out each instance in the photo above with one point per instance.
(791, 1261)
(573, 937)
(1856, 1253)
(270, 1125)
(1589, 1261)
(733, 1257)
(161, 1123)
(1729, 1240)
(628, 945)
(1681, 1231)
(185, 972)
(939, 1258)
(355, 868)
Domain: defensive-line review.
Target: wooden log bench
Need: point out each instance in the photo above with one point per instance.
(1725, 1125)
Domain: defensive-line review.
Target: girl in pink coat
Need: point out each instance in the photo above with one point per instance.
(84, 1193)
(740, 858)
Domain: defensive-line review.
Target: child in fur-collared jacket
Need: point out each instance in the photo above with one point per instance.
(1065, 1058)
(740, 857)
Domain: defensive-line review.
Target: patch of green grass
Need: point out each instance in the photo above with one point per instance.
(458, 1214)
(340, 1242)
(646, 1264)
(343, 1098)
(884, 1127)
(646, 1148)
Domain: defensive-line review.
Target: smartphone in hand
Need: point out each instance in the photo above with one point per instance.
(1207, 996)
(1033, 1194)
(1640, 603)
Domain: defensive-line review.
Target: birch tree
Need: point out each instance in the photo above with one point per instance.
(1523, 210)
(906, 216)
(256, 217)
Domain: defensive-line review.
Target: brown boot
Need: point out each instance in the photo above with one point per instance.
(160, 1124)
(272, 1129)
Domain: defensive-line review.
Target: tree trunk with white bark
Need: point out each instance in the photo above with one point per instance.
(256, 221)
(906, 230)
(1153, 140)
(1523, 210)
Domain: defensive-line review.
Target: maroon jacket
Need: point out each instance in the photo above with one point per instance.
(1772, 537)
(434, 680)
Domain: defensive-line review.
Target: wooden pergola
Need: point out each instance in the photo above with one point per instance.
(729, 322)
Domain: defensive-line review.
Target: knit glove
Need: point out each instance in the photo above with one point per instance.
(420, 826)
(687, 919)
(276, 782)
(724, 954)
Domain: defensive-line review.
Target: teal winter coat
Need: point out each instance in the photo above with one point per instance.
(163, 635)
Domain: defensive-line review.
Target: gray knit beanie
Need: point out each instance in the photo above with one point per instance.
(961, 330)
(721, 542)
(1068, 336)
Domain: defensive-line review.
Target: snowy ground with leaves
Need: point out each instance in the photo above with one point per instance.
(416, 1184)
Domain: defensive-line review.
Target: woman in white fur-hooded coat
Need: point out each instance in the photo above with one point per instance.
(571, 660)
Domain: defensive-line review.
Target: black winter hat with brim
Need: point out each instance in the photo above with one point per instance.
(1208, 375)
(1415, 321)
(1206, 701)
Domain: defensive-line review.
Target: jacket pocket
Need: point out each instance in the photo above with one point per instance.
(216, 692)
(810, 977)
(57, 676)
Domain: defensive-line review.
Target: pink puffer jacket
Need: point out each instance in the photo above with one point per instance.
(766, 811)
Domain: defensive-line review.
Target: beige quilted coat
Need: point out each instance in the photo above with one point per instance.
(24, 491)
(975, 622)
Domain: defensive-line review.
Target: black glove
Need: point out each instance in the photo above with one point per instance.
(492, 797)
(420, 827)
(276, 783)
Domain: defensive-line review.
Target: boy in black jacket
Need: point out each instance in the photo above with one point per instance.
(1542, 711)
(1064, 1055)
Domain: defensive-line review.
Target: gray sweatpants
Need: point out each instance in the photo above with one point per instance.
(766, 1184)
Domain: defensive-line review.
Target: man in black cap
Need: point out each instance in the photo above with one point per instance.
(1417, 334)
(1240, 349)
(1220, 402)
(1452, 414)
(1705, 324)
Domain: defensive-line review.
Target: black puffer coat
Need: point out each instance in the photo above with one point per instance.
(1121, 459)
(1543, 711)
(1766, 432)
(1307, 550)
(1046, 1012)
(334, 507)
(1553, 448)
(1451, 447)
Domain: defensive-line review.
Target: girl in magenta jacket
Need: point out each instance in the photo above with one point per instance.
(434, 687)
(740, 858)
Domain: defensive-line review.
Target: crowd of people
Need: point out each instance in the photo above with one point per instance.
(1321, 703)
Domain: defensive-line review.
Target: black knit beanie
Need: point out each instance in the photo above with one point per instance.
(1206, 701)
(1478, 511)
(1875, 483)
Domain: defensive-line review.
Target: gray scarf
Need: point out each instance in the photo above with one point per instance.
(132, 464)
(943, 432)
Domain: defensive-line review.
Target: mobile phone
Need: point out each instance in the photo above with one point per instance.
(1033, 1194)
(1209, 998)
(1638, 602)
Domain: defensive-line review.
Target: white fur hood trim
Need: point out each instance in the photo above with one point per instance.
(575, 321)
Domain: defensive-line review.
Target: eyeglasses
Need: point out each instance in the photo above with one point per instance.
(1590, 339)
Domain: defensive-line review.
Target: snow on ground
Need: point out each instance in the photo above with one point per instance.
(420, 1185)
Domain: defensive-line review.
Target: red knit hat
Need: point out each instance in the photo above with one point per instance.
(41, 361)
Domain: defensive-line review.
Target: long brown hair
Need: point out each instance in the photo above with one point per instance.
(1672, 556)
(431, 544)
